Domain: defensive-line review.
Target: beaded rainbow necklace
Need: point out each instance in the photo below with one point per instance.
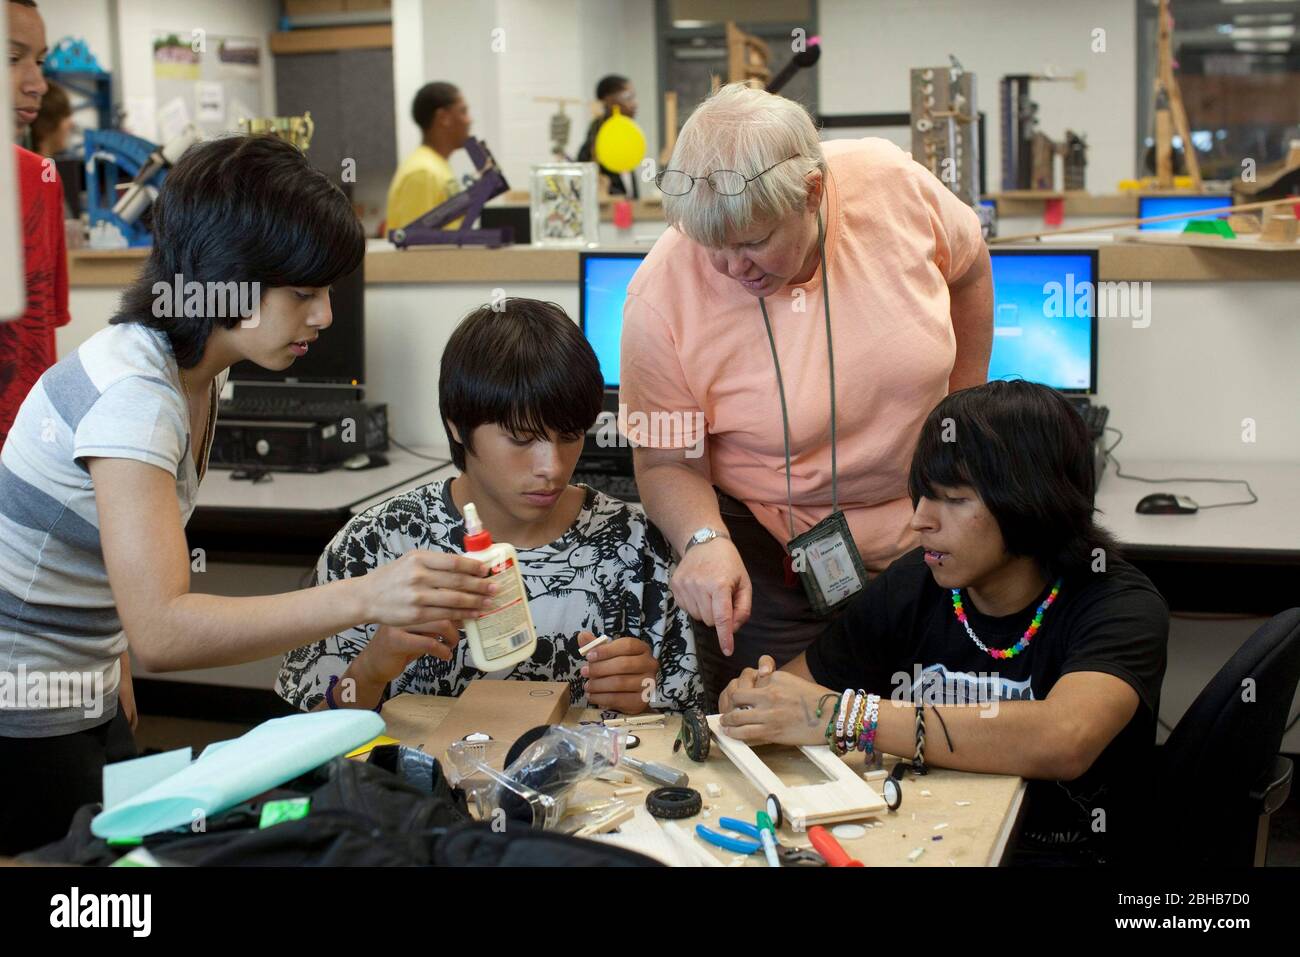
(1025, 639)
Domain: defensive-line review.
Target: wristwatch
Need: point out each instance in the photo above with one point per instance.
(701, 536)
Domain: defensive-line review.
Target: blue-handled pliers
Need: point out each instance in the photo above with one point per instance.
(790, 856)
(728, 843)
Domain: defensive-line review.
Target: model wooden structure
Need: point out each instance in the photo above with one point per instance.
(1170, 115)
(843, 797)
(747, 58)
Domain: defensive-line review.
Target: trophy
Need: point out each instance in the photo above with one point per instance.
(297, 130)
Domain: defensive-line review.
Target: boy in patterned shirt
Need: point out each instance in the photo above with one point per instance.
(518, 389)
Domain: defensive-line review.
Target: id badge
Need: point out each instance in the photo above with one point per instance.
(827, 562)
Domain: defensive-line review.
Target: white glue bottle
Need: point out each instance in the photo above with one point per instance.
(504, 634)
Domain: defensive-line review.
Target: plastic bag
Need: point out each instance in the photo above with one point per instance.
(535, 786)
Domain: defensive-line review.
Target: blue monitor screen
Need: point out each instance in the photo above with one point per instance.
(1047, 340)
(1043, 323)
(1168, 205)
(604, 287)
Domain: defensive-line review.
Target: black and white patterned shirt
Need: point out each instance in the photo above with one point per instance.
(608, 574)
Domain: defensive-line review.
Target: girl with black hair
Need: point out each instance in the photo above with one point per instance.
(102, 468)
(1015, 640)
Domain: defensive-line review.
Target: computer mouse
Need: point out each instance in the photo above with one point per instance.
(365, 460)
(1162, 503)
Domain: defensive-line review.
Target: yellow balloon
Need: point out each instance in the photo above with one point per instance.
(620, 144)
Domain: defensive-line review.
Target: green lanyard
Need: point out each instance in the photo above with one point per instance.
(780, 385)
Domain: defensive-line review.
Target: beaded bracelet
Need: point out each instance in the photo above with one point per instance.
(842, 716)
(860, 725)
(851, 726)
(868, 741)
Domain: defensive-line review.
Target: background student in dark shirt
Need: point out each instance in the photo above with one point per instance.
(1003, 485)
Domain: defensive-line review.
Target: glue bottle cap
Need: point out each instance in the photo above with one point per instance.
(476, 538)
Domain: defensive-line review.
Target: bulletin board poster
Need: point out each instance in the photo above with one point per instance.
(210, 81)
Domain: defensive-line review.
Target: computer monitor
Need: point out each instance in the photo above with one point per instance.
(339, 358)
(1044, 326)
(1168, 205)
(602, 287)
(1052, 342)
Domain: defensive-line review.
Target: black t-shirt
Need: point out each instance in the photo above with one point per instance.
(902, 630)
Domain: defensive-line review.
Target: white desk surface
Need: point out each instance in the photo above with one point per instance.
(1270, 525)
(447, 471)
(336, 490)
(1268, 528)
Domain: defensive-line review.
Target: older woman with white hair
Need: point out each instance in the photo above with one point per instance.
(809, 305)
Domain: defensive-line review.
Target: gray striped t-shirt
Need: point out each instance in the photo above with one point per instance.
(117, 396)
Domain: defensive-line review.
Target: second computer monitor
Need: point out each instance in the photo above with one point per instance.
(1168, 205)
(1045, 318)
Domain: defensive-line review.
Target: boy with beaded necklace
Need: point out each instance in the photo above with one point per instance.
(1015, 640)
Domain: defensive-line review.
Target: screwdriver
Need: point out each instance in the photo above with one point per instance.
(661, 774)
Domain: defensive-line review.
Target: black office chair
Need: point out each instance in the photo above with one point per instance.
(1221, 773)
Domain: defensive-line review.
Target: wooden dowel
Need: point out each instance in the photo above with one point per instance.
(1168, 217)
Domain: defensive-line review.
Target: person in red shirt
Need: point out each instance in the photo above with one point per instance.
(27, 345)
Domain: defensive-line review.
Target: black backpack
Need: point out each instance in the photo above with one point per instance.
(396, 809)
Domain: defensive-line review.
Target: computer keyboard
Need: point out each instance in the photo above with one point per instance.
(616, 486)
(289, 407)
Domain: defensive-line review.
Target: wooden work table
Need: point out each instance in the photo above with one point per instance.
(977, 834)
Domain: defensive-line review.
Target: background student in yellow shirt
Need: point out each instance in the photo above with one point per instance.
(425, 178)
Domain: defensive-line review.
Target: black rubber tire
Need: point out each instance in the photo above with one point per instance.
(674, 803)
(695, 735)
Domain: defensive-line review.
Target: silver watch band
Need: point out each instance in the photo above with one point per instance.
(702, 535)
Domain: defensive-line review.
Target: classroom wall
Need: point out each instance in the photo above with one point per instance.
(120, 35)
(89, 20)
(871, 45)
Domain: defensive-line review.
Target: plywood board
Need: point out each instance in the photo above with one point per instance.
(503, 709)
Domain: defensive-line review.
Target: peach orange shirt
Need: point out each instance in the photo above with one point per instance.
(693, 341)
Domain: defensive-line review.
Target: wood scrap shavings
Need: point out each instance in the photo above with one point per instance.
(607, 823)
